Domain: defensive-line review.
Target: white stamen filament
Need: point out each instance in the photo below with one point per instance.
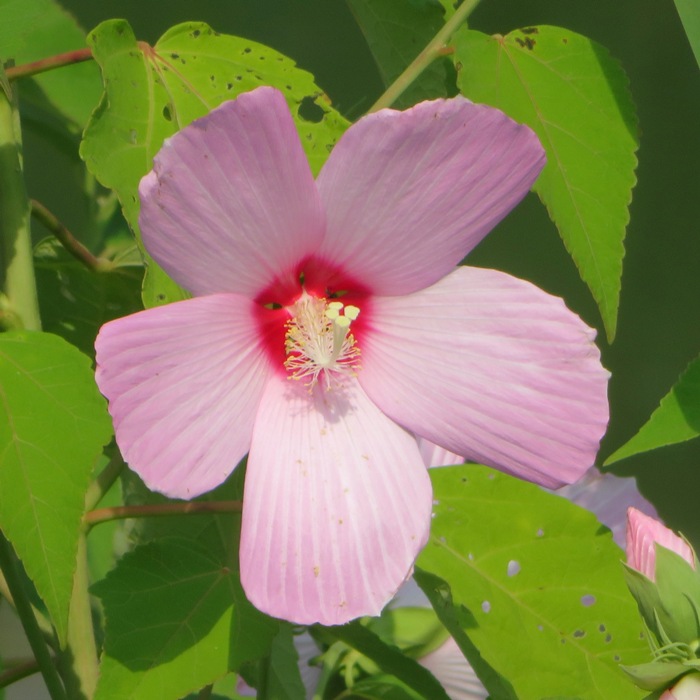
(319, 341)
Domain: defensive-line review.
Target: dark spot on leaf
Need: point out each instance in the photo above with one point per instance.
(261, 58)
(458, 66)
(608, 638)
(530, 30)
(166, 113)
(229, 86)
(175, 56)
(160, 297)
(601, 628)
(464, 479)
(212, 78)
(579, 633)
(616, 657)
(310, 111)
(247, 49)
(562, 640)
(526, 43)
(565, 40)
(196, 33)
(120, 30)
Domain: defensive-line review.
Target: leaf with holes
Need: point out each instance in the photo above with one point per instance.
(152, 91)
(531, 587)
(53, 426)
(677, 418)
(396, 31)
(576, 99)
(174, 610)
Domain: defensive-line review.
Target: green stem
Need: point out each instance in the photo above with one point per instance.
(17, 281)
(99, 487)
(10, 569)
(79, 661)
(436, 47)
(16, 672)
(45, 64)
(67, 239)
(103, 515)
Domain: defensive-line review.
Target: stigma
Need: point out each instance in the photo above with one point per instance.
(318, 342)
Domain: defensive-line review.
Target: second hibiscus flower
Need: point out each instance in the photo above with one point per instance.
(330, 327)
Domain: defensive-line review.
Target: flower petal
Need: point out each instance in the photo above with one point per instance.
(336, 505)
(183, 383)
(231, 203)
(492, 368)
(643, 533)
(409, 194)
(457, 677)
(436, 456)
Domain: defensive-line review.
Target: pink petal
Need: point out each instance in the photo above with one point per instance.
(183, 383)
(609, 497)
(231, 203)
(409, 194)
(436, 456)
(492, 368)
(687, 688)
(643, 533)
(457, 677)
(336, 505)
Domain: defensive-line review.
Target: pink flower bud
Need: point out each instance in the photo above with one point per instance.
(643, 533)
(687, 688)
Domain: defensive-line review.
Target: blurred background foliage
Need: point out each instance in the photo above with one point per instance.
(659, 317)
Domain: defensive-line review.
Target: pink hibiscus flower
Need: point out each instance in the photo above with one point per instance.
(330, 326)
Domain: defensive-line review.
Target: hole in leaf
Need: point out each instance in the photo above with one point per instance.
(540, 628)
(513, 567)
(166, 113)
(540, 533)
(310, 111)
(486, 606)
(579, 633)
(587, 600)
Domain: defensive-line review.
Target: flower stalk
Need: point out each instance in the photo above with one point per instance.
(45, 64)
(435, 48)
(103, 515)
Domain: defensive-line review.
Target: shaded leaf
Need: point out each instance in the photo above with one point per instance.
(171, 609)
(382, 686)
(283, 676)
(34, 29)
(75, 301)
(53, 425)
(530, 585)
(675, 420)
(151, 92)
(575, 97)
(396, 31)
(689, 11)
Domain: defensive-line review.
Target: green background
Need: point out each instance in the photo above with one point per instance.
(659, 322)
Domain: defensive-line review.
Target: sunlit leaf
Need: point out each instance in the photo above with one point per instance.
(171, 610)
(675, 420)
(53, 425)
(34, 29)
(689, 11)
(533, 584)
(151, 92)
(575, 97)
(396, 31)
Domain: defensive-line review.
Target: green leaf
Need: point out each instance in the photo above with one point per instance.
(675, 420)
(381, 686)
(34, 29)
(575, 97)
(151, 92)
(396, 31)
(283, 677)
(689, 11)
(75, 301)
(532, 584)
(53, 425)
(389, 659)
(172, 609)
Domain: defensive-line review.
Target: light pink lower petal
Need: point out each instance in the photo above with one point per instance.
(409, 194)
(492, 368)
(336, 505)
(183, 383)
(643, 533)
(231, 202)
(457, 677)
